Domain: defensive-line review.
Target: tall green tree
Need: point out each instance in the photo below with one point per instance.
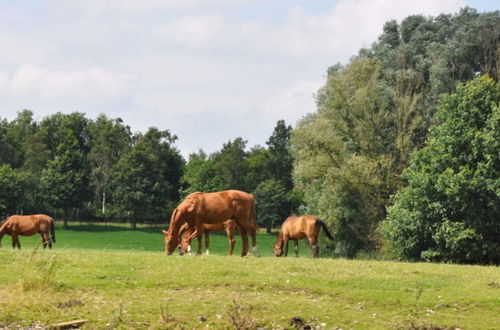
(65, 180)
(11, 190)
(146, 180)
(374, 112)
(450, 209)
(270, 198)
(110, 139)
(281, 163)
(201, 174)
(231, 163)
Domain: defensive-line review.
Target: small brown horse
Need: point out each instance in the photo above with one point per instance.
(296, 228)
(185, 246)
(28, 225)
(213, 208)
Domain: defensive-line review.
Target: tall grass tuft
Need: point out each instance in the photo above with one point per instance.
(239, 315)
(38, 272)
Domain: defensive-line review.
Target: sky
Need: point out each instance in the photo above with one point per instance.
(208, 71)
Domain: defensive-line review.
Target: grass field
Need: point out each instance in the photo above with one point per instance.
(144, 238)
(116, 278)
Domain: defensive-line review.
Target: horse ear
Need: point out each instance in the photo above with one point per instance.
(164, 231)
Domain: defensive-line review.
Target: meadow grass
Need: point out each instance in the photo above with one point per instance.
(144, 238)
(144, 289)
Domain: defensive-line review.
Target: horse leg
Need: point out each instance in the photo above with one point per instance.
(314, 247)
(230, 238)
(15, 241)
(46, 241)
(244, 239)
(207, 242)
(199, 235)
(296, 247)
(285, 246)
(254, 243)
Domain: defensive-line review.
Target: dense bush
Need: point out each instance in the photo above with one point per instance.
(450, 210)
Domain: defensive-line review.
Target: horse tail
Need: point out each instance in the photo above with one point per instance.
(53, 230)
(2, 230)
(253, 214)
(325, 228)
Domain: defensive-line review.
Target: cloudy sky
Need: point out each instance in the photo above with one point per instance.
(207, 70)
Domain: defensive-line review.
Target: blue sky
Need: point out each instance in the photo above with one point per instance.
(207, 70)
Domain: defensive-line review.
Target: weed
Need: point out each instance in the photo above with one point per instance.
(239, 315)
(416, 319)
(38, 272)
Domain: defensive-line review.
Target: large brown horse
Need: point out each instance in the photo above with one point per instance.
(296, 228)
(214, 208)
(28, 225)
(190, 233)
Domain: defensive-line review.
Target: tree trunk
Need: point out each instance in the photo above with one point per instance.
(103, 202)
(269, 225)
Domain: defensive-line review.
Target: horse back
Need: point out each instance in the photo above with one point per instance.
(228, 204)
(298, 227)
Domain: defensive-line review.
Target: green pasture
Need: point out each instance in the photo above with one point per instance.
(120, 279)
(144, 238)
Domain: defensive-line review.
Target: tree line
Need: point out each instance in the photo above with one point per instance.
(79, 168)
(400, 158)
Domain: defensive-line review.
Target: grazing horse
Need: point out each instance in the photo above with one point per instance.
(229, 226)
(214, 208)
(28, 225)
(296, 228)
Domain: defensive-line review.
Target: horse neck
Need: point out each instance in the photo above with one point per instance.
(3, 229)
(280, 239)
(176, 222)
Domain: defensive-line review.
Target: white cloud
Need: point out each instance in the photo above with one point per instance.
(48, 85)
(237, 65)
(193, 31)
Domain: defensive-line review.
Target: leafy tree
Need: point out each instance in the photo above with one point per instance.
(11, 189)
(343, 157)
(374, 112)
(258, 167)
(281, 163)
(450, 209)
(109, 140)
(36, 157)
(201, 174)
(146, 180)
(231, 164)
(65, 180)
(12, 137)
(270, 197)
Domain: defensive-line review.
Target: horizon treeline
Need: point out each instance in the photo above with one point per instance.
(401, 157)
(76, 168)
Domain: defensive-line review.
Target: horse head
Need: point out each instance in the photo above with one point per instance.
(171, 241)
(172, 235)
(278, 249)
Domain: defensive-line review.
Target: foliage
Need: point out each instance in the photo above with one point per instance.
(64, 165)
(11, 188)
(271, 199)
(375, 111)
(231, 164)
(281, 163)
(145, 182)
(201, 174)
(110, 140)
(450, 209)
(65, 179)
